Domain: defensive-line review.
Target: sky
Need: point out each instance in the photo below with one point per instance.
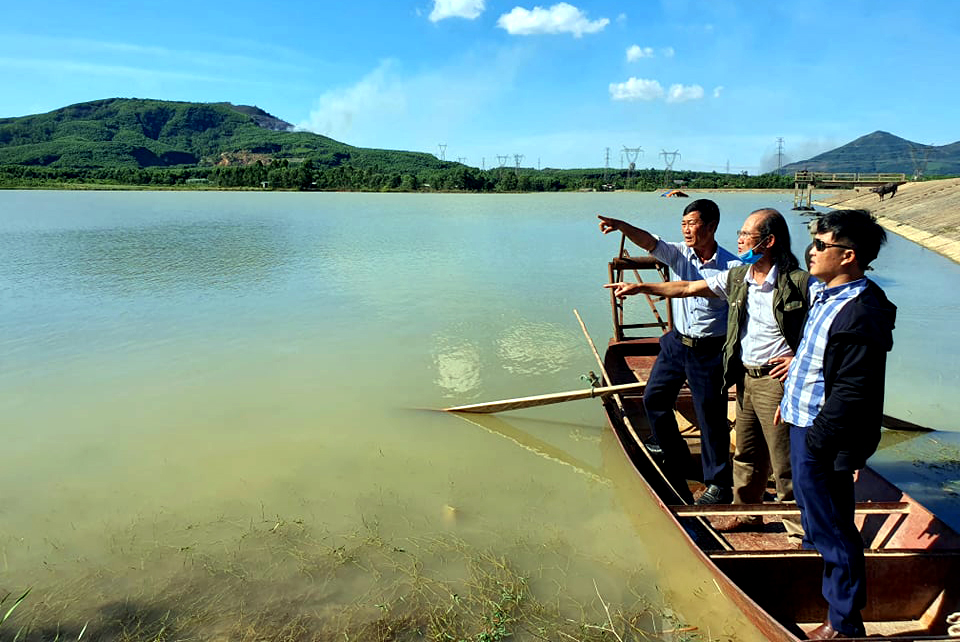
(709, 85)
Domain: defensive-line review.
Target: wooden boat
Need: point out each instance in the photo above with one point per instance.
(912, 557)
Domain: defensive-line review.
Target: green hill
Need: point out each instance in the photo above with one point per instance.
(884, 152)
(132, 133)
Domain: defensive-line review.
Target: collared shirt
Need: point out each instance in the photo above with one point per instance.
(804, 391)
(696, 316)
(760, 338)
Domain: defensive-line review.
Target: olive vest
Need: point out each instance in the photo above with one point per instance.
(790, 304)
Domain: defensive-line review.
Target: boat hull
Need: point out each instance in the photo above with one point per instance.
(912, 557)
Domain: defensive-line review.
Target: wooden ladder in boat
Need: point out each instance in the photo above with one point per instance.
(618, 269)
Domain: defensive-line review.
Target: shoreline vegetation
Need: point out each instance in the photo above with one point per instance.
(282, 175)
(278, 580)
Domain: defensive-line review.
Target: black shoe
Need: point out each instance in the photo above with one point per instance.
(715, 495)
(650, 443)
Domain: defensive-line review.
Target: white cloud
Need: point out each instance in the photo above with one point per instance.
(636, 89)
(96, 69)
(560, 18)
(644, 89)
(636, 52)
(717, 90)
(374, 96)
(390, 107)
(668, 52)
(469, 9)
(682, 93)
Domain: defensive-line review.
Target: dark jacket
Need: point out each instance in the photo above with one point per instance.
(847, 428)
(790, 304)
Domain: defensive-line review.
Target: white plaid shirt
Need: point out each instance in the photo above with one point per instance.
(696, 316)
(804, 391)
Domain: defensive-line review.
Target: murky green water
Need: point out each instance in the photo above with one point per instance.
(217, 413)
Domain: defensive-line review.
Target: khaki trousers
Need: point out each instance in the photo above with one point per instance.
(762, 446)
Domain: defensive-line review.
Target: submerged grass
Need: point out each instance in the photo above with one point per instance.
(279, 581)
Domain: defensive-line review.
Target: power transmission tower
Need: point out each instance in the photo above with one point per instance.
(606, 165)
(517, 158)
(631, 153)
(919, 159)
(443, 151)
(503, 161)
(780, 157)
(461, 159)
(669, 158)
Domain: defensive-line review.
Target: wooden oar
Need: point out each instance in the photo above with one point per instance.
(543, 400)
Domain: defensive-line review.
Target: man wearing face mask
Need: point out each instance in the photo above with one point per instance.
(691, 353)
(768, 300)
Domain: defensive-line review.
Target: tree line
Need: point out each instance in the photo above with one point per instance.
(307, 176)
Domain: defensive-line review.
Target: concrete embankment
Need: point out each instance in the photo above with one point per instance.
(927, 213)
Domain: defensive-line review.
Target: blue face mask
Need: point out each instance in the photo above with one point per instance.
(751, 256)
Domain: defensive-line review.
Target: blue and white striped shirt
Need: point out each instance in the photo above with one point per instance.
(804, 391)
(696, 316)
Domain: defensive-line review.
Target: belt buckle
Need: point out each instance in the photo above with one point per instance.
(690, 342)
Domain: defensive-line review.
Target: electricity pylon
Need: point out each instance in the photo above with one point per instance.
(631, 153)
(669, 158)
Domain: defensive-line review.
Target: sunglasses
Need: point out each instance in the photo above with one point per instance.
(820, 246)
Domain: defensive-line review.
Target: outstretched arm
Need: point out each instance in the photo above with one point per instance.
(642, 238)
(673, 289)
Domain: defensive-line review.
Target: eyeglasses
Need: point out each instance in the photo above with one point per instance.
(743, 234)
(820, 246)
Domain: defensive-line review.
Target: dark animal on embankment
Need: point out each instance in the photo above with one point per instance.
(889, 188)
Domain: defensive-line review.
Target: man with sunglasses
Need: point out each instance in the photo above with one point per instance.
(833, 403)
(691, 353)
(768, 303)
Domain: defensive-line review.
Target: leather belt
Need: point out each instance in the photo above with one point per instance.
(758, 371)
(700, 343)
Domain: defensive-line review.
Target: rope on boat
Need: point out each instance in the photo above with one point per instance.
(594, 381)
(953, 622)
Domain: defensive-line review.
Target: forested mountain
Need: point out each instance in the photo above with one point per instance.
(884, 152)
(160, 144)
(134, 133)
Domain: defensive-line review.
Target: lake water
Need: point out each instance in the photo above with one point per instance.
(219, 414)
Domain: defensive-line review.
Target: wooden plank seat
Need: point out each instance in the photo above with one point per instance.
(726, 510)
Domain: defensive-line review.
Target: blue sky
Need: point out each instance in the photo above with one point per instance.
(719, 81)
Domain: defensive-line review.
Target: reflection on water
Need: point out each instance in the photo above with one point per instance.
(141, 261)
(522, 349)
(457, 364)
(532, 347)
(208, 400)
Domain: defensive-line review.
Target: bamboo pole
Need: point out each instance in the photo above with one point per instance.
(543, 400)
